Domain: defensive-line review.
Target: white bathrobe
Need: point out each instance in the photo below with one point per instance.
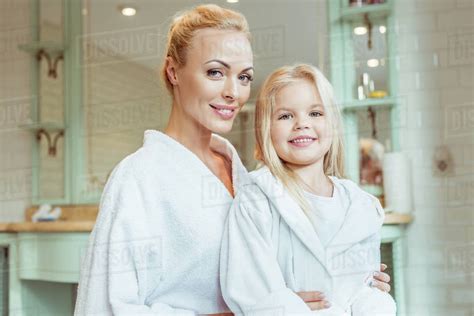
(155, 247)
(271, 250)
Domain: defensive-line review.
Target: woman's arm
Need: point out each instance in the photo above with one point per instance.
(121, 255)
(381, 279)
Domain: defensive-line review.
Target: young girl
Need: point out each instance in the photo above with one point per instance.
(297, 224)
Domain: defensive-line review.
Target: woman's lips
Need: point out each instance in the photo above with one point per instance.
(302, 141)
(225, 112)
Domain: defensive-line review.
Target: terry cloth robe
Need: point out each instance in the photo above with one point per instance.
(270, 250)
(155, 246)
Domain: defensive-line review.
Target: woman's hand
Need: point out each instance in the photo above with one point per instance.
(381, 279)
(315, 300)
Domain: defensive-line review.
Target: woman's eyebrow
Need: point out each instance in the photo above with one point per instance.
(226, 65)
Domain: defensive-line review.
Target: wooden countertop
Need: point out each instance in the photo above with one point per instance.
(65, 226)
(394, 218)
(48, 227)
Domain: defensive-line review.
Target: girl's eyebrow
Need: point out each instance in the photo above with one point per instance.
(311, 107)
(226, 65)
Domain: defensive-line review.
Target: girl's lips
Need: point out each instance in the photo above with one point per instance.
(302, 141)
(225, 112)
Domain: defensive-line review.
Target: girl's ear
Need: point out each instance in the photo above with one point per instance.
(171, 71)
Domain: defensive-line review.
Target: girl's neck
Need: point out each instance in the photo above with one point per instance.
(187, 131)
(313, 178)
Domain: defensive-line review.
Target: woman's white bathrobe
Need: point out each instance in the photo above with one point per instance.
(271, 250)
(155, 247)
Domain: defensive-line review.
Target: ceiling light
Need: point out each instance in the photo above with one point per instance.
(232, 1)
(360, 30)
(128, 11)
(382, 29)
(373, 63)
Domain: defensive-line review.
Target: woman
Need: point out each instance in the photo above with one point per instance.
(155, 246)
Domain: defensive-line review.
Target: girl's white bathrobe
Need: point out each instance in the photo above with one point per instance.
(270, 250)
(155, 246)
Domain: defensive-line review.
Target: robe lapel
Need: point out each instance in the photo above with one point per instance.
(364, 218)
(291, 212)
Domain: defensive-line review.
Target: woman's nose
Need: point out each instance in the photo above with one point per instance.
(230, 90)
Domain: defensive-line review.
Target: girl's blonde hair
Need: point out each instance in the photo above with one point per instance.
(265, 151)
(186, 23)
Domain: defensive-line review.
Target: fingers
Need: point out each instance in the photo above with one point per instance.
(313, 296)
(383, 266)
(314, 306)
(381, 285)
(382, 276)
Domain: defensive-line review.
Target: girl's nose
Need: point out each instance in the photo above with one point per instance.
(301, 123)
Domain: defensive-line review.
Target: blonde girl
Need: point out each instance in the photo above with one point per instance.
(297, 225)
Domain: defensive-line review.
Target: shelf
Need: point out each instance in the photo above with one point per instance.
(52, 48)
(371, 102)
(374, 11)
(47, 126)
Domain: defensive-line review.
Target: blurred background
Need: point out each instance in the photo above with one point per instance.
(79, 85)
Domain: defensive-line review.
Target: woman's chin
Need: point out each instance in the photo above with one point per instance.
(221, 127)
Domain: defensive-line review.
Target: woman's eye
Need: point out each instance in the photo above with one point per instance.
(214, 73)
(245, 78)
(285, 116)
(315, 114)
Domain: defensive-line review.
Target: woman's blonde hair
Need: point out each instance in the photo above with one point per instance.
(265, 151)
(186, 23)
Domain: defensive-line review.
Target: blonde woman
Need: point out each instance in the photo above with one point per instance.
(298, 225)
(155, 247)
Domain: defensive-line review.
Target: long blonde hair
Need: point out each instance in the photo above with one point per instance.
(186, 23)
(265, 151)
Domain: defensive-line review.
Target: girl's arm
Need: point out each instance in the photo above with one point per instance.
(251, 279)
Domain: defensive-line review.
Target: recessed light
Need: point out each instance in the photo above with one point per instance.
(382, 29)
(232, 1)
(373, 63)
(360, 30)
(128, 10)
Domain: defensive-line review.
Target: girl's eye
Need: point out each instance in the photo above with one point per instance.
(315, 114)
(285, 116)
(214, 73)
(246, 78)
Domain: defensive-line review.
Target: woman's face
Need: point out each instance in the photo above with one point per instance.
(300, 130)
(215, 82)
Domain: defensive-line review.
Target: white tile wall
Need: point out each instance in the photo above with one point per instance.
(436, 70)
(15, 98)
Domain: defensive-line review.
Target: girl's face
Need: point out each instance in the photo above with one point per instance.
(300, 130)
(214, 83)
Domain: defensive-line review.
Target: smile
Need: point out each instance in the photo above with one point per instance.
(224, 111)
(302, 141)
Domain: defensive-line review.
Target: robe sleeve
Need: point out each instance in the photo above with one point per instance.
(251, 279)
(122, 255)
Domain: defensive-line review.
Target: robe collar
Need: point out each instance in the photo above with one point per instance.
(364, 216)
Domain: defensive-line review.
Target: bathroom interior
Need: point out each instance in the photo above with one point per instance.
(80, 84)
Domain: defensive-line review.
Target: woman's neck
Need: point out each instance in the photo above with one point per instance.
(189, 133)
(313, 178)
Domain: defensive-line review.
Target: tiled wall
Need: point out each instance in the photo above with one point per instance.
(15, 99)
(436, 63)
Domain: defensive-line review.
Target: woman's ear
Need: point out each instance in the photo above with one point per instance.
(171, 72)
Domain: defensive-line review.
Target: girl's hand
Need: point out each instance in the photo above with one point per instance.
(381, 279)
(315, 300)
